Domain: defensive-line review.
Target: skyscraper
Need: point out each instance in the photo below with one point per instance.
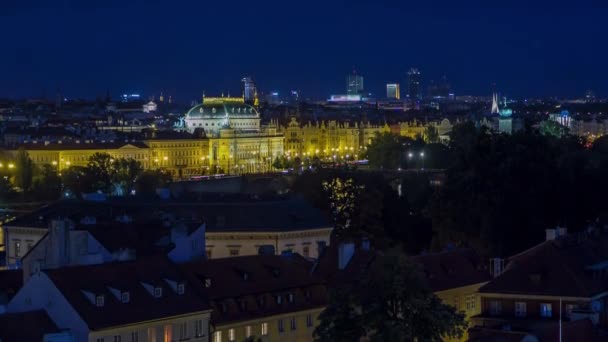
(249, 90)
(414, 80)
(393, 91)
(354, 84)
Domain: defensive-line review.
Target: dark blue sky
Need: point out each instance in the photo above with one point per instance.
(184, 47)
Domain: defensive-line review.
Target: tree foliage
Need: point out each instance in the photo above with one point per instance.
(385, 151)
(343, 195)
(24, 173)
(391, 303)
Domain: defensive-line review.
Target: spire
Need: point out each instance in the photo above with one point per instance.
(495, 109)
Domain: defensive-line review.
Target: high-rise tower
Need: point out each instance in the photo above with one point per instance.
(414, 82)
(249, 89)
(354, 84)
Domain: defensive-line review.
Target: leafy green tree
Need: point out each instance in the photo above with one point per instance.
(343, 195)
(149, 180)
(77, 180)
(341, 320)
(553, 128)
(47, 186)
(7, 193)
(431, 134)
(101, 169)
(24, 173)
(391, 303)
(385, 151)
(125, 173)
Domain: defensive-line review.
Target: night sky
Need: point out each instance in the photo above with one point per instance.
(550, 48)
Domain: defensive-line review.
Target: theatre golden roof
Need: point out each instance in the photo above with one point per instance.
(220, 107)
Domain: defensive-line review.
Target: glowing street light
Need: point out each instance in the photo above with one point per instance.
(422, 154)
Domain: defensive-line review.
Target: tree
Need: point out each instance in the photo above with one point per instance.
(148, 181)
(553, 128)
(431, 134)
(385, 151)
(77, 180)
(48, 185)
(100, 168)
(24, 173)
(341, 320)
(125, 173)
(343, 195)
(391, 303)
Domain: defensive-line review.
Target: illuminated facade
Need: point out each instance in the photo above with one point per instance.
(354, 84)
(328, 139)
(216, 113)
(393, 91)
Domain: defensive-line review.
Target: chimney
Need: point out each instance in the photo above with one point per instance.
(550, 234)
(345, 253)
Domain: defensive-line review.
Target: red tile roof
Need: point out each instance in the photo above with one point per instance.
(126, 276)
(556, 268)
(247, 287)
(452, 269)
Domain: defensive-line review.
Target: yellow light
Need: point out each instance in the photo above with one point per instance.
(156, 160)
(66, 163)
(165, 158)
(10, 166)
(54, 162)
(1, 165)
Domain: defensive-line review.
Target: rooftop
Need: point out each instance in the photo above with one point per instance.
(562, 267)
(82, 285)
(246, 287)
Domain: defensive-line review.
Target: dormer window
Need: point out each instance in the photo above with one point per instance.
(125, 297)
(100, 300)
(158, 292)
(279, 299)
(290, 297)
(208, 282)
(181, 288)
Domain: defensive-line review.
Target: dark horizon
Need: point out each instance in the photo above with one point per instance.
(542, 50)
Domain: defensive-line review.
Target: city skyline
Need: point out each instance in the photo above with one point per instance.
(84, 50)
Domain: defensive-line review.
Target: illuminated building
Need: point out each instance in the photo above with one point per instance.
(392, 91)
(328, 139)
(216, 113)
(130, 97)
(414, 84)
(249, 89)
(505, 121)
(354, 84)
(150, 107)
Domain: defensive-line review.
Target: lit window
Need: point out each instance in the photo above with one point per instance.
(495, 307)
(309, 320)
(292, 323)
(279, 299)
(198, 328)
(470, 302)
(281, 326)
(248, 331)
(183, 331)
(545, 310)
(180, 289)
(231, 336)
(217, 336)
(17, 248)
(264, 329)
(158, 292)
(151, 334)
(168, 333)
(520, 309)
(99, 300)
